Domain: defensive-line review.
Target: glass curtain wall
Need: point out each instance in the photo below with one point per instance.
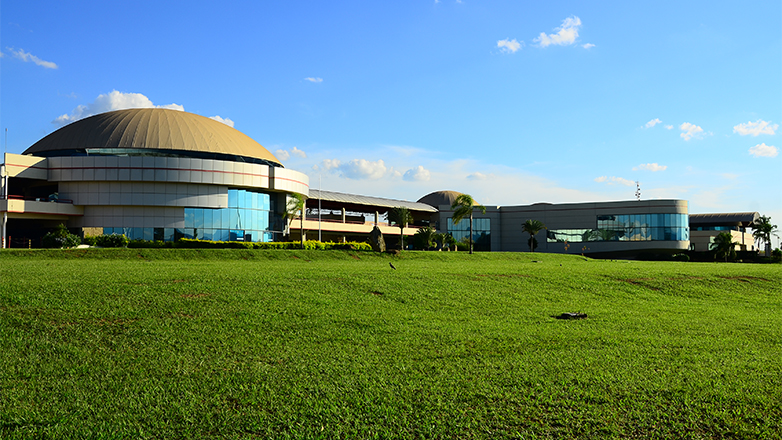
(250, 216)
(628, 227)
(481, 232)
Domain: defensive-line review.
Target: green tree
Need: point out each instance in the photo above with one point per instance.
(60, 238)
(463, 207)
(762, 230)
(296, 207)
(425, 237)
(532, 227)
(400, 216)
(724, 246)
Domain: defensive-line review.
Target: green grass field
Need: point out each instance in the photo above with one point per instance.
(171, 343)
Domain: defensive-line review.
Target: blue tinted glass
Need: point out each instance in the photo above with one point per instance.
(198, 218)
(232, 202)
(207, 234)
(226, 218)
(168, 234)
(149, 234)
(189, 217)
(233, 218)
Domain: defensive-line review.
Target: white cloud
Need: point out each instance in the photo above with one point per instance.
(614, 180)
(689, 131)
(755, 128)
(30, 58)
(652, 123)
(650, 167)
(565, 35)
(588, 46)
(360, 169)
(225, 121)
(418, 174)
(296, 152)
(282, 155)
(477, 176)
(329, 164)
(111, 101)
(509, 46)
(763, 150)
(669, 127)
(315, 80)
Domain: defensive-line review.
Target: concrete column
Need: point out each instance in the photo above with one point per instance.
(343, 216)
(377, 218)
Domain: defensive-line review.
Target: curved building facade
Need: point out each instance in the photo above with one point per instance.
(153, 174)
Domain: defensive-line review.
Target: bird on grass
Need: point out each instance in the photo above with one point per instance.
(392, 266)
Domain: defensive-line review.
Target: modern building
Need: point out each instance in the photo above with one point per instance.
(158, 174)
(152, 174)
(705, 227)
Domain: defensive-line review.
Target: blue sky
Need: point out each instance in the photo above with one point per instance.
(513, 102)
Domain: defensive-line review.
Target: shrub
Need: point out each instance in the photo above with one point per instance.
(157, 244)
(112, 241)
(776, 255)
(90, 240)
(680, 257)
(60, 238)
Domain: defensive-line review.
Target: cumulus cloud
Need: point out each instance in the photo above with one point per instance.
(509, 46)
(650, 167)
(689, 131)
(588, 46)
(763, 150)
(614, 181)
(477, 176)
(669, 127)
(314, 80)
(418, 174)
(652, 123)
(282, 155)
(296, 152)
(225, 121)
(111, 101)
(330, 164)
(755, 128)
(360, 169)
(27, 57)
(565, 35)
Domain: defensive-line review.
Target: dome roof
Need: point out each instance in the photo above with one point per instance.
(153, 129)
(439, 198)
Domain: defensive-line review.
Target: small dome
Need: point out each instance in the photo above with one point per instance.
(152, 129)
(439, 198)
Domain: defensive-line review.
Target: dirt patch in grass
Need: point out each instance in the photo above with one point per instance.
(355, 257)
(375, 292)
(641, 282)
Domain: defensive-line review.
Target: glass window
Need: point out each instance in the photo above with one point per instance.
(198, 218)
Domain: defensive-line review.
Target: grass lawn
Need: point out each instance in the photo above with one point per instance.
(143, 343)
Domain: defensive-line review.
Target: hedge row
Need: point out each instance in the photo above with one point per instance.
(308, 245)
(116, 240)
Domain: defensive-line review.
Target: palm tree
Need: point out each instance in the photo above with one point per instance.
(762, 231)
(462, 208)
(724, 246)
(296, 207)
(532, 227)
(401, 216)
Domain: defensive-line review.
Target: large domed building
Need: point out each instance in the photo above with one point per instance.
(153, 174)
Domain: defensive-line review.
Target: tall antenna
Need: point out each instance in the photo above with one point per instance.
(638, 190)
